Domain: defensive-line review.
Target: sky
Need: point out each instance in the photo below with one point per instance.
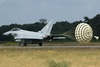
(30, 11)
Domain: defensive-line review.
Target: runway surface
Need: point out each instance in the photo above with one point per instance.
(52, 47)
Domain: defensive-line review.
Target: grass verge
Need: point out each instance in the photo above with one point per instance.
(22, 57)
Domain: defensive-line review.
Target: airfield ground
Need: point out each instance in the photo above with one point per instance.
(50, 57)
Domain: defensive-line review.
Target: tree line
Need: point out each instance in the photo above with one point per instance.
(58, 28)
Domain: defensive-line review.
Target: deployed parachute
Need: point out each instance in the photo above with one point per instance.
(82, 33)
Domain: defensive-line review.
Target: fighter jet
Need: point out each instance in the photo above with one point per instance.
(25, 37)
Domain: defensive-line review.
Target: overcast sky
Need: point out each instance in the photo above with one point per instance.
(30, 11)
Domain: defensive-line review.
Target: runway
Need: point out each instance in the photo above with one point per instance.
(49, 47)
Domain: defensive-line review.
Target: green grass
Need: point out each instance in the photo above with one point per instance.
(5, 43)
(60, 64)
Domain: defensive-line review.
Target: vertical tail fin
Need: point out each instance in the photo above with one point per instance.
(47, 29)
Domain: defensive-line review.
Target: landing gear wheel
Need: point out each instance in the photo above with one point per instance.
(19, 44)
(40, 44)
(25, 44)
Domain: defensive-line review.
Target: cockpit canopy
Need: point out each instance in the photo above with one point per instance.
(15, 29)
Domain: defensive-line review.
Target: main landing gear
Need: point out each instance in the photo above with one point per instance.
(25, 43)
(40, 44)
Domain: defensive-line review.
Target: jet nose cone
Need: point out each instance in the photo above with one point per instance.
(6, 33)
